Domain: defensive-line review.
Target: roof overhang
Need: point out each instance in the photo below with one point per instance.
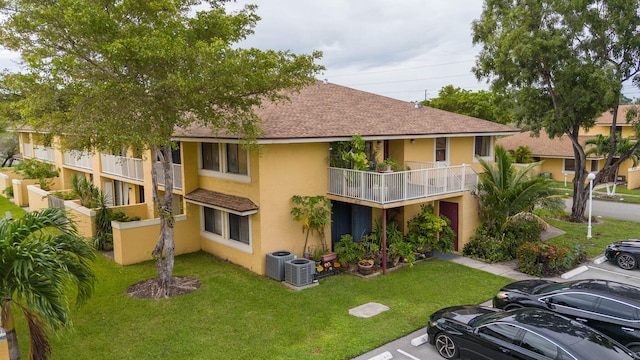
(230, 203)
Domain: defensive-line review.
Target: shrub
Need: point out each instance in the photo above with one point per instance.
(542, 259)
(8, 191)
(486, 247)
(42, 171)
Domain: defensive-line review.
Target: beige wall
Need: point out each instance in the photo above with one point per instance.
(134, 241)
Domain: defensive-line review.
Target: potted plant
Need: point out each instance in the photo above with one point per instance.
(349, 251)
(314, 212)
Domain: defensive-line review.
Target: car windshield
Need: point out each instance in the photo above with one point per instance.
(487, 318)
(544, 289)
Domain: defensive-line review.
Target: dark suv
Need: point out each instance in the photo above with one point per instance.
(608, 306)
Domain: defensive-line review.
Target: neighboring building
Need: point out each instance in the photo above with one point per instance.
(236, 205)
(557, 154)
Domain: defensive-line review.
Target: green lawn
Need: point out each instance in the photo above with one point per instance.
(237, 314)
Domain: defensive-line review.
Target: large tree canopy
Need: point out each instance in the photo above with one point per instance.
(564, 61)
(480, 104)
(120, 73)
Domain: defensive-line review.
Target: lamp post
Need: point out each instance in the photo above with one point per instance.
(591, 176)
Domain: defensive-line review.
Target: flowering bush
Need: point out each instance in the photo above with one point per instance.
(542, 259)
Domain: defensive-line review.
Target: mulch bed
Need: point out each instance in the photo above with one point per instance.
(150, 289)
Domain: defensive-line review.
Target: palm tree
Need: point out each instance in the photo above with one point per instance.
(504, 192)
(602, 146)
(41, 258)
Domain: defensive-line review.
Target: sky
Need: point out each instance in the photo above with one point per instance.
(407, 49)
(403, 49)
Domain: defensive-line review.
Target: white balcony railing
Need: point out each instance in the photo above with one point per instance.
(385, 188)
(130, 168)
(177, 175)
(79, 159)
(44, 153)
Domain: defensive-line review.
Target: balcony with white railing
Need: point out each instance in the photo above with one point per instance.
(126, 167)
(79, 159)
(177, 175)
(386, 188)
(44, 153)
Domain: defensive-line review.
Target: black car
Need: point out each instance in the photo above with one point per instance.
(478, 332)
(626, 253)
(610, 307)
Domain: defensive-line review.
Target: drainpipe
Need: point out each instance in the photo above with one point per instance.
(384, 241)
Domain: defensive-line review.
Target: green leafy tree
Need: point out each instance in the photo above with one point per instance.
(480, 104)
(564, 62)
(602, 146)
(9, 147)
(115, 74)
(314, 213)
(505, 193)
(41, 256)
(521, 155)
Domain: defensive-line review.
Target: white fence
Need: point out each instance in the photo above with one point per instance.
(130, 168)
(44, 153)
(79, 159)
(177, 175)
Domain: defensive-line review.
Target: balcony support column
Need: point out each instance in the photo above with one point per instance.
(384, 241)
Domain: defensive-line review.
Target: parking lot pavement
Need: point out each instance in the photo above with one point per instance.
(413, 346)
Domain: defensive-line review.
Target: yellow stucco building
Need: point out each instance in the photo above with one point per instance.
(236, 204)
(558, 157)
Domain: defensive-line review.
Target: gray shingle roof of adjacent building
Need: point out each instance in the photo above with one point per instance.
(327, 110)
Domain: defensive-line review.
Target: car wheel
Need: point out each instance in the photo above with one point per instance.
(626, 261)
(446, 347)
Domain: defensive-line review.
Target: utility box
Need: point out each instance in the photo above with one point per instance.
(275, 264)
(299, 272)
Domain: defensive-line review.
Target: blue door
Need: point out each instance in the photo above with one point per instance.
(349, 219)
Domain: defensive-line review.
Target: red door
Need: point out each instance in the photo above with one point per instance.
(450, 210)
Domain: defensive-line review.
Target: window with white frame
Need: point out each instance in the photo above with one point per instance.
(441, 149)
(225, 158)
(570, 165)
(226, 225)
(482, 146)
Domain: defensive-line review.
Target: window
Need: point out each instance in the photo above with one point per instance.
(213, 221)
(503, 332)
(594, 166)
(236, 159)
(210, 156)
(617, 309)
(441, 149)
(225, 158)
(577, 301)
(569, 165)
(482, 146)
(239, 228)
(226, 225)
(539, 345)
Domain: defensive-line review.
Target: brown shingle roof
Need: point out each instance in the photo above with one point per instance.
(234, 203)
(329, 110)
(607, 117)
(541, 146)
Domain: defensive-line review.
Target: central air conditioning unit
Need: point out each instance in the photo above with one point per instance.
(275, 263)
(299, 272)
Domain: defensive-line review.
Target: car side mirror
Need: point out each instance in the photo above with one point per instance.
(549, 303)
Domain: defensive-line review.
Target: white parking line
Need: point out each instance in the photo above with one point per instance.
(384, 356)
(408, 355)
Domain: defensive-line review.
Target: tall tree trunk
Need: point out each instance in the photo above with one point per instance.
(580, 197)
(164, 250)
(9, 326)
